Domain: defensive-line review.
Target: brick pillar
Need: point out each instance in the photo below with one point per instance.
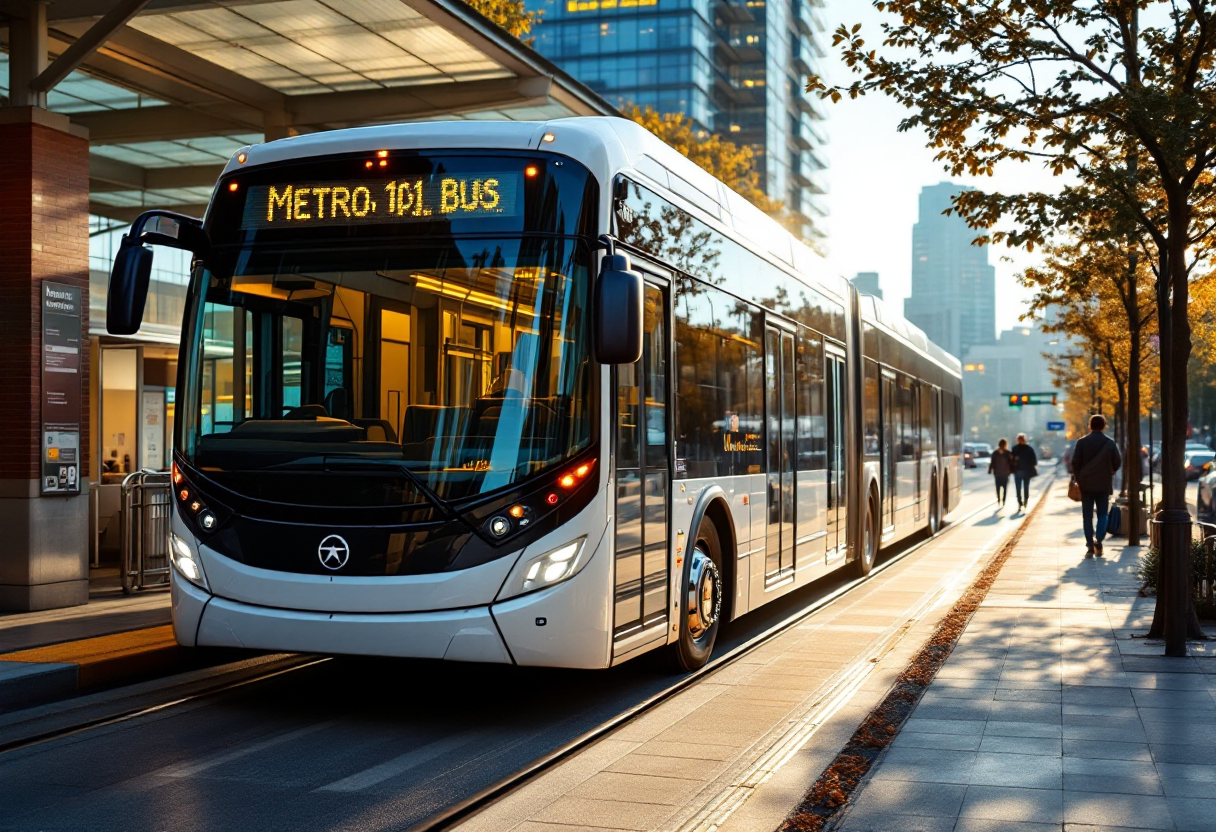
(44, 234)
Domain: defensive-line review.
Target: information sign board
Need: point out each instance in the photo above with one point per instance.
(1056, 426)
(61, 381)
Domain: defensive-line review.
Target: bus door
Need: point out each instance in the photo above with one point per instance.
(643, 477)
(838, 475)
(889, 439)
(781, 452)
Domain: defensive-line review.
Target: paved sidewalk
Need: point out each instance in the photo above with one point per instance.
(1049, 715)
(737, 750)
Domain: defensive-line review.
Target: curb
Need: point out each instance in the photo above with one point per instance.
(57, 671)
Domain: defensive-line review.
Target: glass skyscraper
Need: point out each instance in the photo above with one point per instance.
(953, 286)
(736, 67)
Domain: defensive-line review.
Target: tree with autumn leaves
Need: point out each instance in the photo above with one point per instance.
(512, 15)
(1120, 95)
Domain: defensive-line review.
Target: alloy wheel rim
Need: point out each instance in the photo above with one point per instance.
(704, 593)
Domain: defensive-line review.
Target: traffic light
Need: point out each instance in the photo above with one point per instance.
(1022, 399)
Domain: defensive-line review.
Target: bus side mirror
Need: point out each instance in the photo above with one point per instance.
(128, 293)
(132, 270)
(617, 311)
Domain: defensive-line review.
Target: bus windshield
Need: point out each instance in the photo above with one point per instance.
(315, 374)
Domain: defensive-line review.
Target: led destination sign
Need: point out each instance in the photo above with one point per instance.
(407, 199)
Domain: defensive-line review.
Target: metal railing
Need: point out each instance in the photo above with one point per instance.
(147, 510)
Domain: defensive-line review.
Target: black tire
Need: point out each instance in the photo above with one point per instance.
(701, 601)
(868, 550)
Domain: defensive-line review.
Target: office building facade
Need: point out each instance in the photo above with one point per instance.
(735, 67)
(953, 286)
(867, 284)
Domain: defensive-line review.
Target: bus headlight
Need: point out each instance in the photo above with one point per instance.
(545, 570)
(186, 561)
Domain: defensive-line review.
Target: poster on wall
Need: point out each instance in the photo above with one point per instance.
(153, 451)
(61, 380)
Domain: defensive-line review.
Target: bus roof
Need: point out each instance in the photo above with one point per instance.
(607, 146)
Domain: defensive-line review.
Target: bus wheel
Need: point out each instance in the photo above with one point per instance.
(935, 517)
(702, 601)
(869, 538)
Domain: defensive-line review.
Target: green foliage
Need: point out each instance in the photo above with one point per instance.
(1149, 567)
(511, 15)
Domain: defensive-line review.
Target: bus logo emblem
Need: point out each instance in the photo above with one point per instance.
(333, 552)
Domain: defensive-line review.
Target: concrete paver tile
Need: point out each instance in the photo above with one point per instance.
(1104, 750)
(1106, 784)
(1113, 768)
(655, 766)
(953, 742)
(609, 814)
(1193, 814)
(1023, 729)
(1022, 770)
(1171, 753)
(1125, 810)
(865, 822)
(1014, 804)
(1189, 771)
(928, 765)
(1106, 733)
(693, 750)
(636, 788)
(1021, 745)
(911, 797)
(943, 726)
(989, 825)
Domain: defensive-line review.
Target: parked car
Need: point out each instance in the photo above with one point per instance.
(968, 455)
(1194, 462)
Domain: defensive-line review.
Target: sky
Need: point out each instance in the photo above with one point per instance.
(875, 175)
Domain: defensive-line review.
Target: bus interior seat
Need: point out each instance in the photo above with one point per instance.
(421, 422)
(306, 411)
(378, 430)
(335, 403)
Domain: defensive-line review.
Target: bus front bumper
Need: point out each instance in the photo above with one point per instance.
(567, 625)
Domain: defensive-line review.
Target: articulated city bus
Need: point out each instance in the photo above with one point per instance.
(542, 393)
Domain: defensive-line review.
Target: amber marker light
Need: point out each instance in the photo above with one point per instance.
(516, 512)
(383, 154)
(184, 494)
(369, 163)
(177, 474)
(548, 137)
(241, 157)
(383, 162)
(583, 470)
(196, 505)
(567, 481)
(530, 171)
(232, 186)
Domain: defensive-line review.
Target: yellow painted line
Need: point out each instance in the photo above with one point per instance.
(108, 658)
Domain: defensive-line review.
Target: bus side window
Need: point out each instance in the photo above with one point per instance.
(872, 423)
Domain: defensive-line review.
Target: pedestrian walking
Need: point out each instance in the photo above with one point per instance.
(1000, 465)
(1026, 465)
(1095, 459)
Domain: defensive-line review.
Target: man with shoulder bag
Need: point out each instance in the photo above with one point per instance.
(1095, 459)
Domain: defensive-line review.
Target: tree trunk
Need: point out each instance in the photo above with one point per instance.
(1131, 462)
(1175, 610)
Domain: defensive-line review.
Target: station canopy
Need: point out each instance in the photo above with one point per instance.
(175, 88)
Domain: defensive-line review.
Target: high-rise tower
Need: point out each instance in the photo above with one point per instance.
(953, 286)
(736, 67)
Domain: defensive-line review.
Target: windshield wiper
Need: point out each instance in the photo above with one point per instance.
(354, 463)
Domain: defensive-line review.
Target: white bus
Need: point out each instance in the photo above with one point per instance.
(541, 393)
